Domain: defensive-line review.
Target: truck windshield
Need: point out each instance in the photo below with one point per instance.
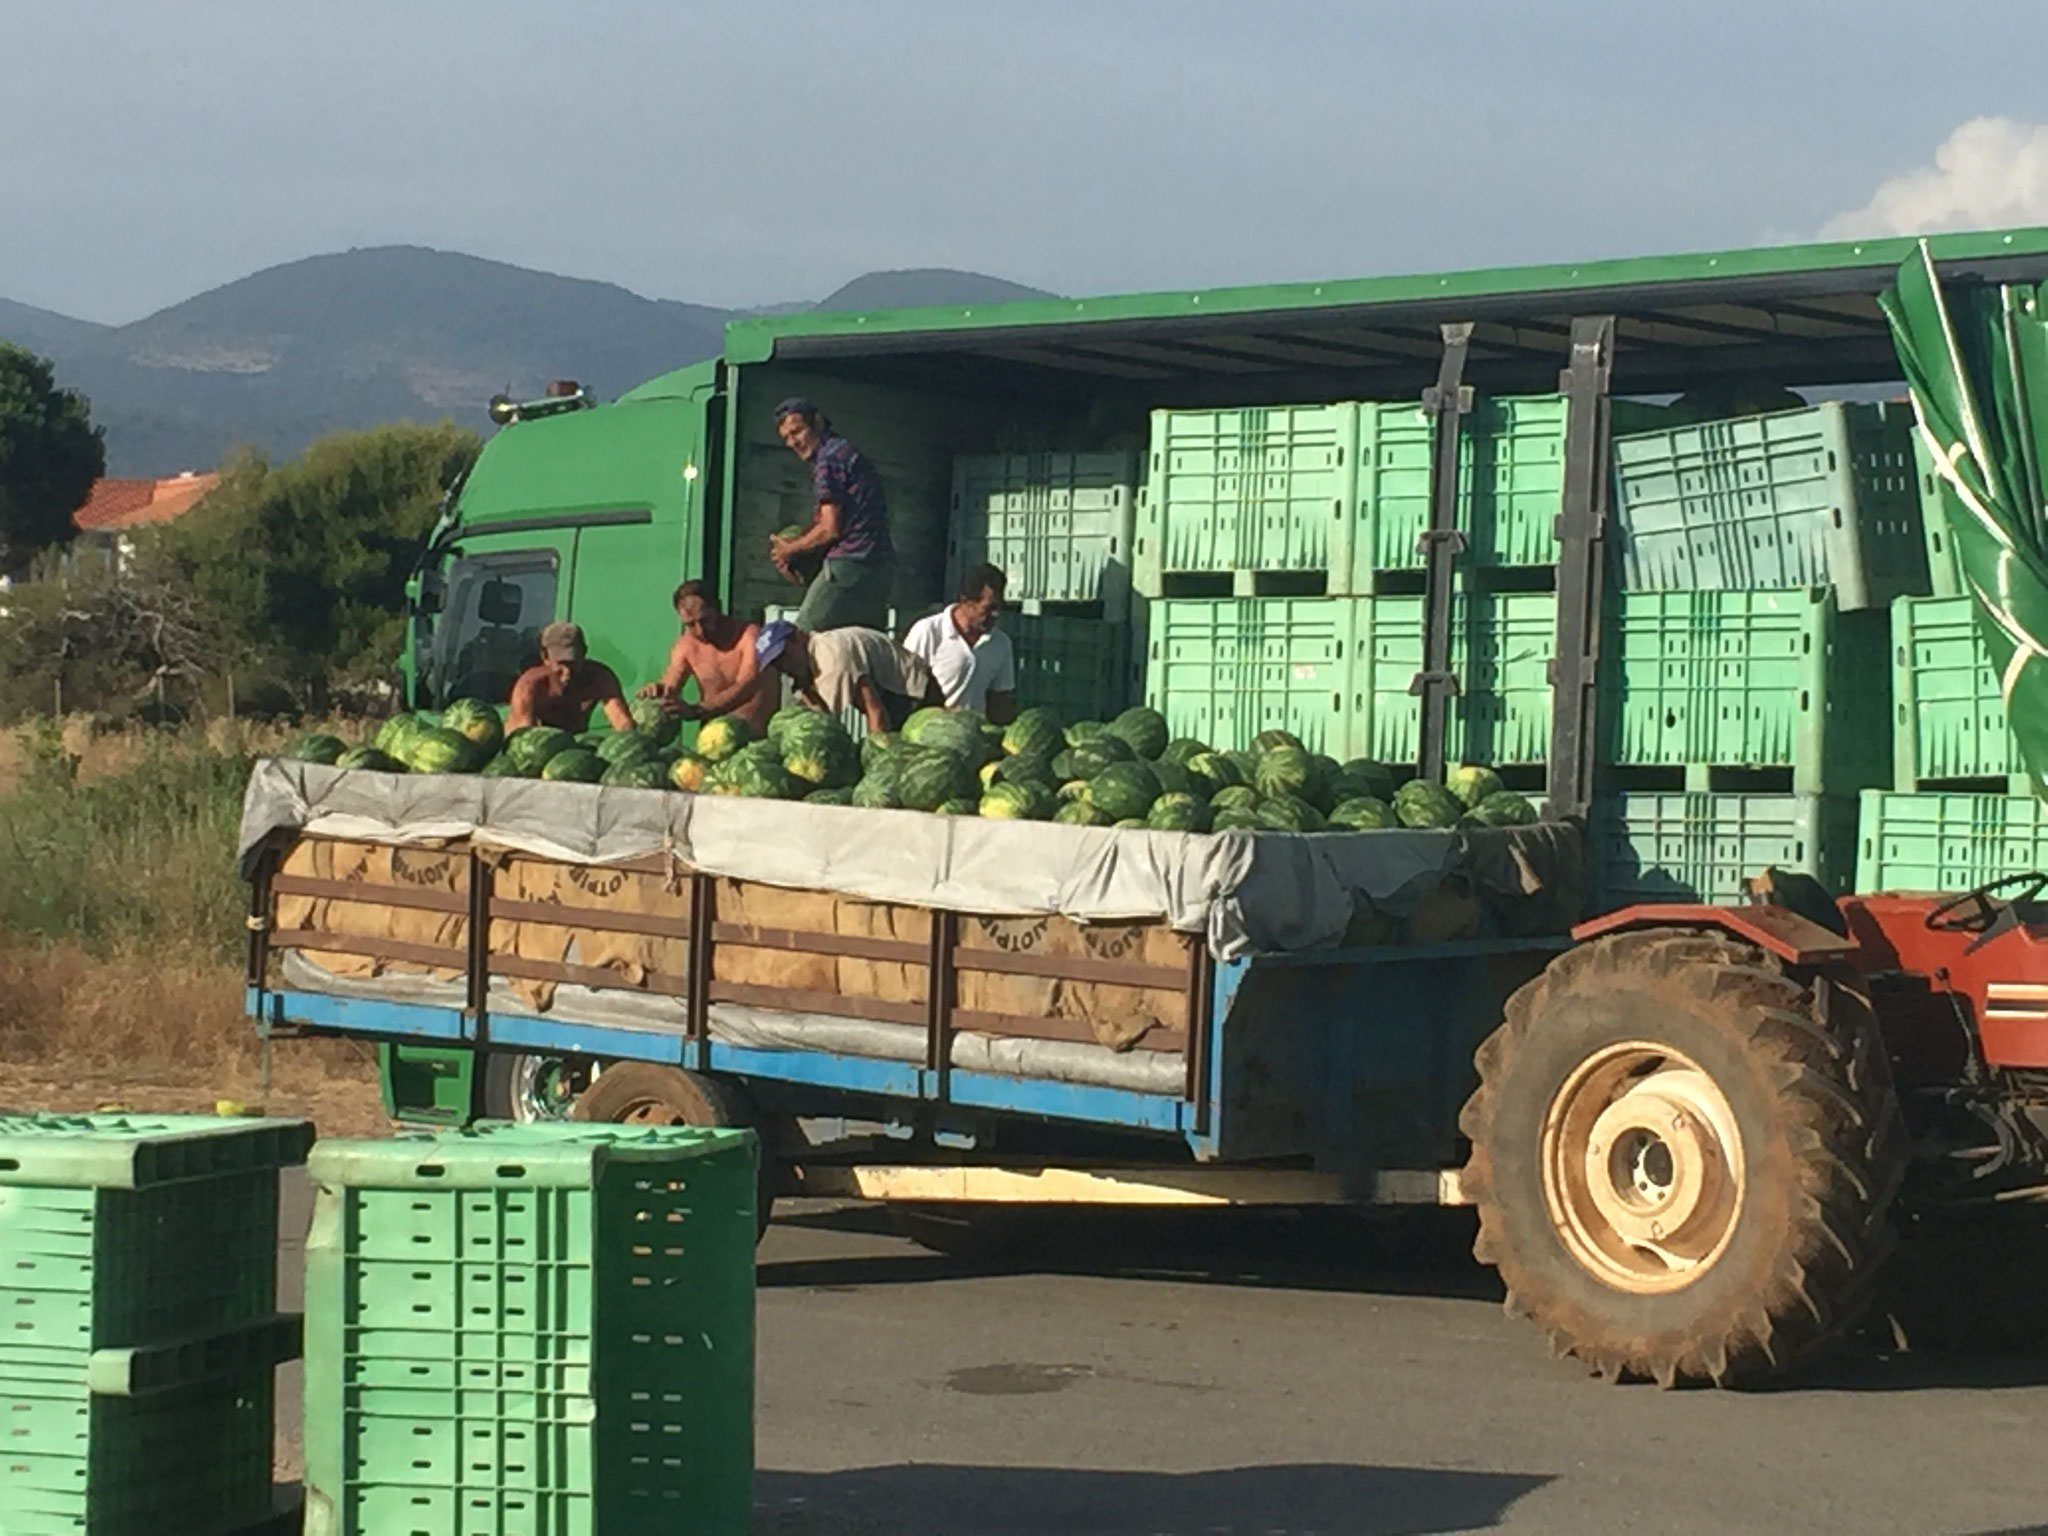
(490, 628)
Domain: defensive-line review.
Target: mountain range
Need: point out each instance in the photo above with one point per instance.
(348, 340)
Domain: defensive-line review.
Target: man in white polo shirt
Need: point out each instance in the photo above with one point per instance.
(970, 659)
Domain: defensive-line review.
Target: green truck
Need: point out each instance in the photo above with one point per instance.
(1682, 1107)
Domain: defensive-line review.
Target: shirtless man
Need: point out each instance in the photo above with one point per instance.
(718, 650)
(567, 686)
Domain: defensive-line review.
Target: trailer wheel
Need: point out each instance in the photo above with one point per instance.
(645, 1093)
(528, 1089)
(1683, 1157)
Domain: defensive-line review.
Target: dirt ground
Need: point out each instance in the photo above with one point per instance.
(333, 1084)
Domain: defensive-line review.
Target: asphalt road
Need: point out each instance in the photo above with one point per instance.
(1273, 1376)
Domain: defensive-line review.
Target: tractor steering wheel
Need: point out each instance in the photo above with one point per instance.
(1974, 911)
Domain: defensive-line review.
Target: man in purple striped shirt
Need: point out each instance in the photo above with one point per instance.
(850, 529)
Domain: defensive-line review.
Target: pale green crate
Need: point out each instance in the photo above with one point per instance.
(1748, 680)
(1501, 647)
(1694, 846)
(1944, 571)
(1825, 496)
(544, 1327)
(1058, 525)
(1946, 841)
(1079, 667)
(1247, 491)
(1221, 670)
(1948, 715)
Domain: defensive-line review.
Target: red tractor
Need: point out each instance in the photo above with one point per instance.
(1692, 1129)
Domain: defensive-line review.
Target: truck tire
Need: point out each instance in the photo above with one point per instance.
(645, 1093)
(1683, 1157)
(527, 1089)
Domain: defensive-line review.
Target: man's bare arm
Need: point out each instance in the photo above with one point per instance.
(746, 678)
(821, 535)
(520, 713)
(674, 676)
(607, 692)
(869, 698)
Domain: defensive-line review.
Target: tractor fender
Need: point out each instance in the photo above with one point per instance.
(1793, 939)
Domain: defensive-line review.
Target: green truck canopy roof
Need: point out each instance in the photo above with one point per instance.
(1804, 313)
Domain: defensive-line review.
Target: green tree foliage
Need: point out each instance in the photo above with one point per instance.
(303, 566)
(50, 454)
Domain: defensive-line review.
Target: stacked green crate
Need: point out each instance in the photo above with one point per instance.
(1944, 575)
(1767, 680)
(1224, 669)
(1948, 713)
(1692, 846)
(139, 1333)
(1501, 647)
(1932, 840)
(1060, 527)
(515, 1329)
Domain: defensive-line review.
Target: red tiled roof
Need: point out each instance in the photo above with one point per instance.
(116, 504)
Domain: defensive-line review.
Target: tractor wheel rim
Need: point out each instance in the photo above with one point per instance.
(543, 1089)
(1642, 1168)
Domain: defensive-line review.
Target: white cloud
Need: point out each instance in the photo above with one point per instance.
(1991, 173)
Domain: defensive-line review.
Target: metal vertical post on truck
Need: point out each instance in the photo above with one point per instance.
(1445, 402)
(1581, 568)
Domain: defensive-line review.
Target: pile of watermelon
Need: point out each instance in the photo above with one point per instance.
(1124, 772)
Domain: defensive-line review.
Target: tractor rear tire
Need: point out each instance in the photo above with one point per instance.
(1683, 1156)
(647, 1093)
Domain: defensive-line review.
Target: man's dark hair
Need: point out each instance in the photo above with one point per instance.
(977, 579)
(797, 405)
(695, 589)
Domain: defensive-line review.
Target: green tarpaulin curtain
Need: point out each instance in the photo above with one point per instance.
(1976, 360)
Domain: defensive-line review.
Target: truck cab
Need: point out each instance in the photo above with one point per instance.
(572, 511)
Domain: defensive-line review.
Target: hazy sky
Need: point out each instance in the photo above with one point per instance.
(752, 153)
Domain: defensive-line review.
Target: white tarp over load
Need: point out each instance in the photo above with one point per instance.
(1244, 891)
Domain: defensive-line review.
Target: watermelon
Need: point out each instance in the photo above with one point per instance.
(1024, 768)
(957, 731)
(1362, 813)
(1009, 802)
(590, 741)
(1420, 803)
(623, 747)
(1363, 770)
(829, 797)
(316, 748)
(1351, 785)
(478, 721)
(823, 761)
(578, 765)
(646, 773)
(928, 777)
(754, 776)
(368, 759)
(1234, 797)
(719, 739)
(1236, 820)
(920, 721)
(436, 749)
(1091, 757)
(654, 722)
(1289, 813)
(1130, 824)
(1472, 784)
(880, 745)
(1176, 780)
(532, 747)
(687, 772)
(395, 736)
(961, 806)
(1084, 730)
(1177, 813)
(1246, 763)
(1063, 766)
(500, 767)
(1035, 732)
(1124, 790)
(1142, 729)
(1182, 752)
(1073, 789)
(789, 715)
(1218, 771)
(876, 794)
(1079, 813)
(1504, 808)
(1285, 770)
(1267, 741)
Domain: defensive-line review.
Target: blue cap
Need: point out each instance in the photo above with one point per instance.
(797, 405)
(772, 639)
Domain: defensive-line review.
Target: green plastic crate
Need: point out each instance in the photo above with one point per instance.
(1080, 667)
(1934, 841)
(1948, 716)
(531, 1328)
(1501, 647)
(1224, 669)
(1826, 496)
(124, 1232)
(1944, 572)
(195, 1461)
(1748, 680)
(1251, 490)
(1059, 525)
(1696, 846)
